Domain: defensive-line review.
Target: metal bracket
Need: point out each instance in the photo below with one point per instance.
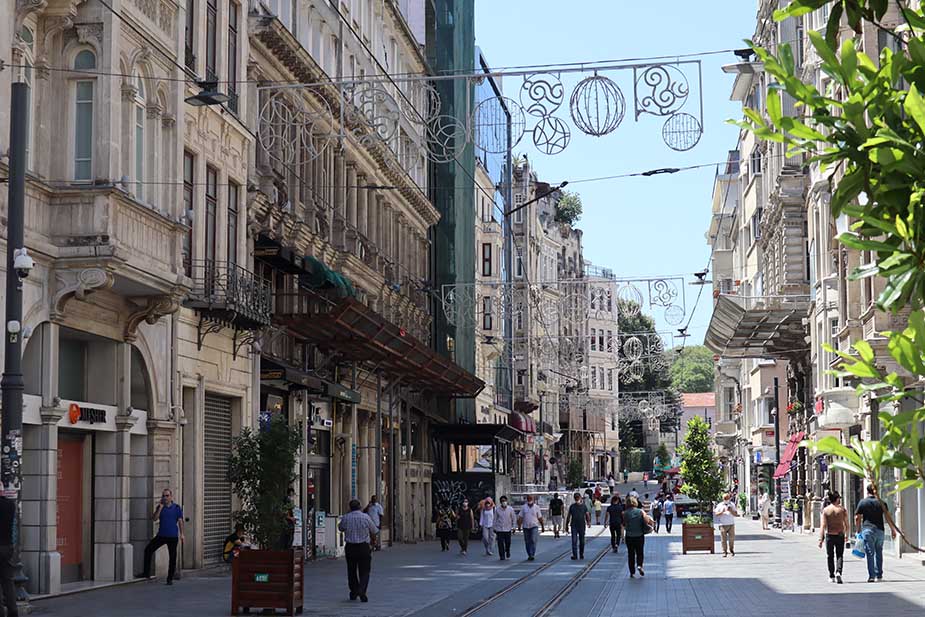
(246, 339)
(210, 328)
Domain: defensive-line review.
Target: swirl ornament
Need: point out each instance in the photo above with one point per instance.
(661, 90)
(541, 94)
(378, 110)
(597, 106)
(551, 135)
(674, 315)
(447, 137)
(681, 132)
(425, 103)
(490, 124)
(662, 293)
(288, 131)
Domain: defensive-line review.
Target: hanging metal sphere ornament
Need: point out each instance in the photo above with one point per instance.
(425, 103)
(632, 348)
(597, 105)
(289, 130)
(674, 315)
(551, 135)
(541, 94)
(682, 132)
(447, 137)
(492, 119)
(661, 90)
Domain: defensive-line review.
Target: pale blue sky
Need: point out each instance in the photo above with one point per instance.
(636, 226)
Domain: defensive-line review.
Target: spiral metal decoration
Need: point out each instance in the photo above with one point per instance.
(425, 103)
(379, 111)
(551, 135)
(490, 124)
(661, 90)
(447, 139)
(290, 132)
(541, 94)
(674, 315)
(662, 292)
(597, 106)
(681, 132)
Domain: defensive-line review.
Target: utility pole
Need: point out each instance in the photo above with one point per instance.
(777, 451)
(18, 264)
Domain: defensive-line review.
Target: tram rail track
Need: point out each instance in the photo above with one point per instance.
(549, 605)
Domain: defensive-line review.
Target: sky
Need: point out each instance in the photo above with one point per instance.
(643, 226)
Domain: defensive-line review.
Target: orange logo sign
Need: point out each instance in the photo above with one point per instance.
(73, 413)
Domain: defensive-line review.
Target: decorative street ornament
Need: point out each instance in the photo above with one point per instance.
(551, 135)
(632, 348)
(660, 90)
(447, 139)
(682, 132)
(425, 103)
(289, 132)
(597, 106)
(378, 109)
(490, 124)
(674, 315)
(662, 292)
(629, 300)
(541, 94)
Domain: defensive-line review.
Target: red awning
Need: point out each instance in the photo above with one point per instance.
(522, 422)
(793, 444)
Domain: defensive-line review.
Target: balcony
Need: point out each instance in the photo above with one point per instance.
(839, 409)
(228, 296)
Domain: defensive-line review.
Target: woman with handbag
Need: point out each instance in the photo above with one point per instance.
(636, 524)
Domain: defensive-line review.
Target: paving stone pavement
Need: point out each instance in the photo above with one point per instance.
(772, 573)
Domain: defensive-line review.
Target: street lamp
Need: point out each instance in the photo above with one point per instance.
(208, 95)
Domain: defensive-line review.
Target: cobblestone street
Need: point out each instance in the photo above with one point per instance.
(772, 573)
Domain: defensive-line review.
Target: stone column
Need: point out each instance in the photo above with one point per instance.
(371, 453)
(362, 205)
(374, 208)
(112, 549)
(352, 243)
(362, 439)
(340, 206)
(129, 92)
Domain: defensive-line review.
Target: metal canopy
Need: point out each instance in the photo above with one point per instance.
(771, 328)
(474, 434)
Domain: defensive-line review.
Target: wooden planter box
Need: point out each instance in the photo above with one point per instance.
(267, 579)
(697, 538)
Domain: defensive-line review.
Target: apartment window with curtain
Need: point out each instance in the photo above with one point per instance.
(234, 194)
(610, 340)
(139, 116)
(211, 40)
(233, 12)
(189, 41)
(211, 207)
(486, 313)
(84, 94)
(486, 259)
(189, 164)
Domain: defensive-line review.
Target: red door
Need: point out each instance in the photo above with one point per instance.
(70, 507)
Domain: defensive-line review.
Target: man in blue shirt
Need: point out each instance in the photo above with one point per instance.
(169, 532)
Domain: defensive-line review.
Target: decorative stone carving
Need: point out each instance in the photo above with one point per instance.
(24, 8)
(79, 284)
(154, 308)
(90, 33)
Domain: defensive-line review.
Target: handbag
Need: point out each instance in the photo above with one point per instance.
(857, 550)
(647, 529)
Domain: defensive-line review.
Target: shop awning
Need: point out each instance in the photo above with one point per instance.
(474, 434)
(522, 422)
(356, 332)
(769, 327)
(280, 257)
(793, 444)
(288, 377)
(316, 275)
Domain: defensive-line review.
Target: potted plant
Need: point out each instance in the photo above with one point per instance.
(261, 469)
(703, 483)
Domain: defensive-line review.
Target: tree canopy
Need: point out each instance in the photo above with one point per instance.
(692, 369)
(568, 208)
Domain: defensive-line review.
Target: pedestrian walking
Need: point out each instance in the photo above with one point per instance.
(868, 517)
(626, 476)
(832, 533)
(614, 519)
(634, 493)
(443, 519)
(636, 524)
(668, 511)
(577, 520)
(7, 569)
(598, 507)
(724, 515)
(530, 520)
(505, 520)
(645, 480)
(764, 509)
(169, 531)
(657, 513)
(465, 521)
(359, 534)
(487, 523)
(611, 482)
(375, 511)
(556, 505)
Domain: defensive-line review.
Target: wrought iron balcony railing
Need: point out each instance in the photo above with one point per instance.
(229, 294)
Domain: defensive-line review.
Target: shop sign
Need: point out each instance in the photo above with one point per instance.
(90, 415)
(335, 390)
(261, 577)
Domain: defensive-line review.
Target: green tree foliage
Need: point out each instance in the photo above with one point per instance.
(575, 473)
(261, 469)
(867, 131)
(568, 208)
(692, 369)
(664, 457)
(703, 480)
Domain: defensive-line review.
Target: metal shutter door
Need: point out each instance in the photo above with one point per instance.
(216, 512)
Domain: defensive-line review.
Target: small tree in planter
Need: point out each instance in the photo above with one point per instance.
(261, 469)
(703, 482)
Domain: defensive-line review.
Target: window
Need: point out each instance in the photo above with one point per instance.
(139, 112)
(211, 40)
(755, 161)
(211, 207)
(72, 368)
(486, 259)
(520, 316)
(610, 341)
(867, 283)
(756, 223)
(189, 163)
(798, 52)
(725, 286)
(729, 401)
(593, 339)
(519, 266)
(609, 301)
(600, 339)
(594, 378)
(600, 372)
(486, 313)
(233, 11)
(83, 117)
(234, 192)
(189, 42)
(519, 214)
(520, 377)
(610, 379)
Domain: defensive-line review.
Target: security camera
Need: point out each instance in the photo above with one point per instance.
(22, 262)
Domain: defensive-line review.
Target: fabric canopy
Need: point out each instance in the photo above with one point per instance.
(783, 466)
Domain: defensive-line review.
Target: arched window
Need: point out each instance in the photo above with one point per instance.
(83, 117)
(139, 137)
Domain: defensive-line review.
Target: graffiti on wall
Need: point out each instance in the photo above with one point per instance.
(454, 487)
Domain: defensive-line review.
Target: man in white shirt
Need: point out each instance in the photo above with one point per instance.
(724, 515)
(505, 519)
(530, 519)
